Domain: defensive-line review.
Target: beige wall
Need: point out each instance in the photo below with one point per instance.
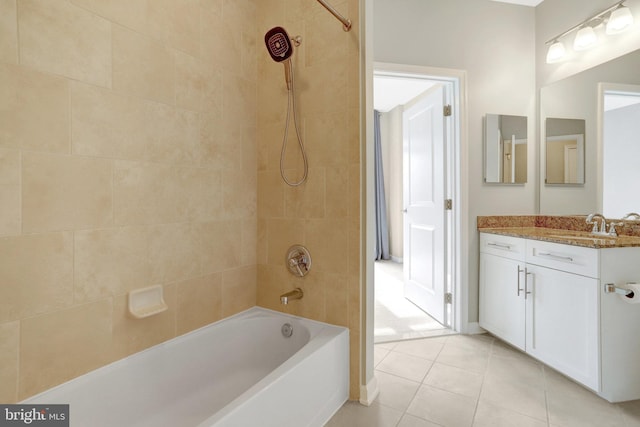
(555, 160)
(495, 44)
(521, 162)
(127, 159)
(324, 213)
(391, 129)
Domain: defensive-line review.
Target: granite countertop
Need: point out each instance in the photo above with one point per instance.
(566, 230)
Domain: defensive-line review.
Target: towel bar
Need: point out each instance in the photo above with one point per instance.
(611, 288)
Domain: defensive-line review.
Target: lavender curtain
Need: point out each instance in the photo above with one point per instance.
(382, 227)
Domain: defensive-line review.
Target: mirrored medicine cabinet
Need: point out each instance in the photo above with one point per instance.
(505, 149)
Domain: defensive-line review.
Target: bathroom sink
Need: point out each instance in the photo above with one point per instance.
(594, 239)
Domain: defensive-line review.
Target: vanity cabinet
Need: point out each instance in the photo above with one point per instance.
(543, 299)
(562, 323)
(550, 300)
(502, 303)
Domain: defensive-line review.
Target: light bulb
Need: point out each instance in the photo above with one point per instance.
(585, 38)
(619, 20)
(555, 53)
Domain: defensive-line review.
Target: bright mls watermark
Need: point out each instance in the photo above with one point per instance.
(34, 415)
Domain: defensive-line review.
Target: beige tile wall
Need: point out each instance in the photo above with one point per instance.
(139, 145)
(128, 158)
(322, 214)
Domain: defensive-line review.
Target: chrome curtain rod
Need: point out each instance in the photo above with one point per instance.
(346, 23)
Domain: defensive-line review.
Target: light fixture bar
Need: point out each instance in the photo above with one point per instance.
(586, 21)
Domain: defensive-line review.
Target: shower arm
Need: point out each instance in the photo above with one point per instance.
(346, 23)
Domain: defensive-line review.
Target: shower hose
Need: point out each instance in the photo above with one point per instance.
(291, 106)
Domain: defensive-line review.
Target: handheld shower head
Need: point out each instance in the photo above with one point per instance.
(280, 48)
(278, 44)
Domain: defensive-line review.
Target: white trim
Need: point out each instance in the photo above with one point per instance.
(369, 392)
(367, 228)
(458, 162)
(396, 259)
(474, 328)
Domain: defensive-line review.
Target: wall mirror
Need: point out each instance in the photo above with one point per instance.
(582, 96)
(620, 148)
(505, 149)
(564, 146)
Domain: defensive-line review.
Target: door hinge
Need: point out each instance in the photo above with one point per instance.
(447, 110)
(448, 298)
(448, 204)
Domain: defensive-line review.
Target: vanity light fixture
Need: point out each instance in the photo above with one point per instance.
(585, 38)
(556, 52)
(617, 19)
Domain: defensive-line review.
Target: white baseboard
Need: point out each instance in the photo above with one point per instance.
(396, 259)
(369, 392)
(474, 328)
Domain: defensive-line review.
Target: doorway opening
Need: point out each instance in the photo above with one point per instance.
(415, 279)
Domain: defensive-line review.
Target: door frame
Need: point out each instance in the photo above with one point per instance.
(459, 215)
(452, 81)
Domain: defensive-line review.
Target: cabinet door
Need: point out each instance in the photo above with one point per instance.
(501, 308)
(562, 322)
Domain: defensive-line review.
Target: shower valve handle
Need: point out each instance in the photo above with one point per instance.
(298, 260)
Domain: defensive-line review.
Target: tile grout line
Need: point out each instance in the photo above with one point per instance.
(546, 395)
(484, 376)
(496, 357)
(420, 384)
(544, 389)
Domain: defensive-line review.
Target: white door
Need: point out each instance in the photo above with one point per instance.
(424, 194)
(562, 322)
(502, 303)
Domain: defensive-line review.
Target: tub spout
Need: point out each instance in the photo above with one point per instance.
(294, 294)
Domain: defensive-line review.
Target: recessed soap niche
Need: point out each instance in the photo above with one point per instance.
(146, 302)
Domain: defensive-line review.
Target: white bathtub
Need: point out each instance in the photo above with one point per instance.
(240, 372)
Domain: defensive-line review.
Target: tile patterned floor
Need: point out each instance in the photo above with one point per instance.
(476, 381)
(395, 317)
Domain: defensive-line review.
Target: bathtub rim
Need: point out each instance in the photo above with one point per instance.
(250, 312)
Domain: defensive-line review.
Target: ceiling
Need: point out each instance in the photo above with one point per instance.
(389, 91)
(612, 102)
(532, 3)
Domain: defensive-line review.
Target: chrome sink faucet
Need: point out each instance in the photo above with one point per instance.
(602, 230)
(592, 219)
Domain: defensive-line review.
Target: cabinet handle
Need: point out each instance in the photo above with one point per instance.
(519, 271)
(526, 282)
(554, 256)
(499, 245)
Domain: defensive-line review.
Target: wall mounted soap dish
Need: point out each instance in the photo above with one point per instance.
(146, 302)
